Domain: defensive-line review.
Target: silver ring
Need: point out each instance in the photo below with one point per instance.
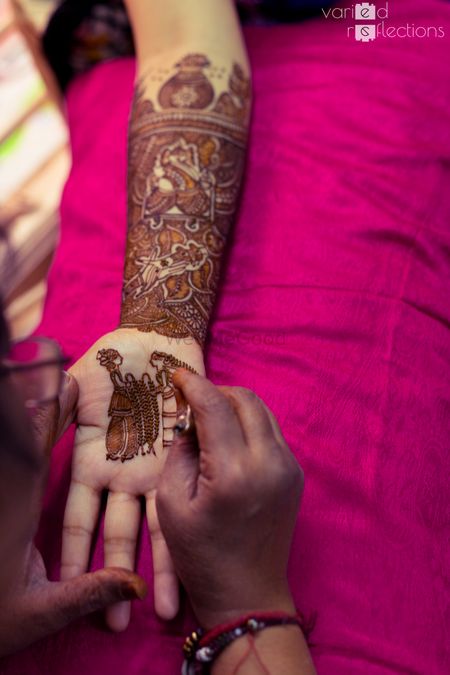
(185, 424)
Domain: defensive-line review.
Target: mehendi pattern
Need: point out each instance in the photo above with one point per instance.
(134, 410)
(186, 161)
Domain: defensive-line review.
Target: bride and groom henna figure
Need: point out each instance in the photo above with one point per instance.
(134, 408)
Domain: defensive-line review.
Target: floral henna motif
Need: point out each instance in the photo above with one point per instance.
(186, 160)
(134, 410)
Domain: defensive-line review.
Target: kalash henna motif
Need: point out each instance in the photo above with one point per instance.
(134, 410)
(186, 160)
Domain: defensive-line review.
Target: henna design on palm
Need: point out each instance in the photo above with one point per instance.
(134, 410)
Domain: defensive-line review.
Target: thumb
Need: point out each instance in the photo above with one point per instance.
(65, 601)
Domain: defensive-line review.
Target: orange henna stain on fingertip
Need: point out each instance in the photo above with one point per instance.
(181, 373)
(140, 588)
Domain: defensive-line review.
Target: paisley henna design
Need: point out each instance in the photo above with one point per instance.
(134, 409)
(186, 161)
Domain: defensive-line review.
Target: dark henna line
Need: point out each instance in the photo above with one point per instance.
(186, 161)
(165, 365)
(133, 409)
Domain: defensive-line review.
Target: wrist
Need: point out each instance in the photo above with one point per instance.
(186, 350)
(209, 618)
(277, 649)
(173, 331)
(225, 645)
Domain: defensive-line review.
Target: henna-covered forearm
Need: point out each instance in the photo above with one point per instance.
(186, 159)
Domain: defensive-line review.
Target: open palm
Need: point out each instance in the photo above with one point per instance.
(125, 413)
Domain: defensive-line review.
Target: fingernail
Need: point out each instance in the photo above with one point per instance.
(179, 398)
(66, 380)
(140, 588)
(181, 372)
(66, 389)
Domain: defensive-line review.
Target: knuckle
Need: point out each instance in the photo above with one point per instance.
(213, 403)
(235, 484)
(74, 530)
(118, 543)
(286, 474)
(293, 476)
(245, 396)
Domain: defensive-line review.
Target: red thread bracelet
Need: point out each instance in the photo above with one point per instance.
(201, 649)
(232, 625)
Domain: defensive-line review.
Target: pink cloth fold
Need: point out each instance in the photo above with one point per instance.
(334, 307)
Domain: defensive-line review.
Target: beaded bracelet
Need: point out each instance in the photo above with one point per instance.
(201, 649)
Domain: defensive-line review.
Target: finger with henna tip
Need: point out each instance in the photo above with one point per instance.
(65, 601)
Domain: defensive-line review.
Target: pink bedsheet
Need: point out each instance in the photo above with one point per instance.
(334, 307)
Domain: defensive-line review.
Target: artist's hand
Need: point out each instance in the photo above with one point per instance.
(116, 412)
(227, 504)
(31, 606)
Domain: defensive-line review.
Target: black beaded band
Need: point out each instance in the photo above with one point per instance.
(199, 657)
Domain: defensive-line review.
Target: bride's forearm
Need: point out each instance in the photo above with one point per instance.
(187, 141)
(209, 26)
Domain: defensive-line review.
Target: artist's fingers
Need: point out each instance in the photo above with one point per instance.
(166, 585)
(80, 519)
(120, 535)
(178, 481)
(259, 424)
(253, 416)
(217, 425)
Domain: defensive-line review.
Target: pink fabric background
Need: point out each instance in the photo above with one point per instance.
(334, 307)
